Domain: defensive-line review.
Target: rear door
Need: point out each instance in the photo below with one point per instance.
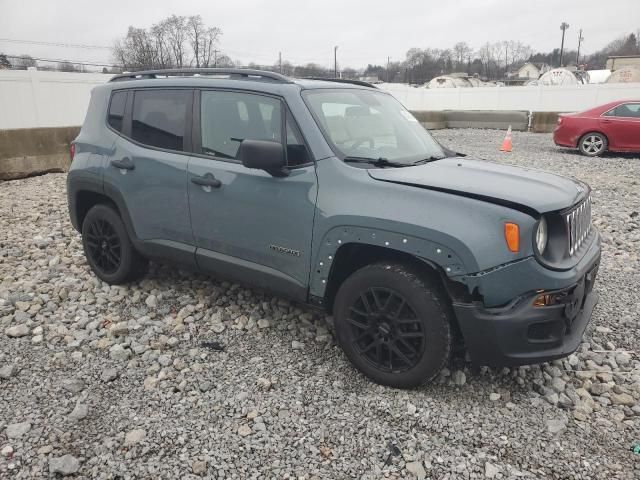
(147, 171)
(622, 126)
(250, 225)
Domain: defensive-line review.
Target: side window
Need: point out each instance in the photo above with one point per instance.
(159, 118)
(116, 110)
(227, 118)
(296, 150)
(628, 110)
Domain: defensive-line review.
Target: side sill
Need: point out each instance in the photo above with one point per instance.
(250, 273)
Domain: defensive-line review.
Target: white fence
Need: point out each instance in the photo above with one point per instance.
(30, 98)
(570, 98)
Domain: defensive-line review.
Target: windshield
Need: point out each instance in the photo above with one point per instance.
(368, 124)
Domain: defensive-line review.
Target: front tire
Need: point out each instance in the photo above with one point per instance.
(593, 144)
(108, 248)
(393, 324)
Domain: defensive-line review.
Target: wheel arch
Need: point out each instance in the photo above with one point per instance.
(589, 132)
(352, 256)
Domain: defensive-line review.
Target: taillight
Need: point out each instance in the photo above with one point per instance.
(72, 150)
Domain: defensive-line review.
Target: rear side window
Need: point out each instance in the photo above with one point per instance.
(159, 118)
(628, 110)
(228, 118)
(116, 110)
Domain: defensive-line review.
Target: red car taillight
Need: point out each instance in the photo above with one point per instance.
(72, 150)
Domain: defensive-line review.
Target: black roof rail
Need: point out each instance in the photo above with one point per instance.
(244, 73)
(343, 80)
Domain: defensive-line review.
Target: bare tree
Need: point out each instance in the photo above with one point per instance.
(176, 41)
(136, 51)
(203, 41)
(176, 31)
(462, 54)
(23, 62)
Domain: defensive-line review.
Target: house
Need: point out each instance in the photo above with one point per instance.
(531, 70)
(622, 61)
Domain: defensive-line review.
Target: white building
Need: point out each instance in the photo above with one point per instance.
(532, 70)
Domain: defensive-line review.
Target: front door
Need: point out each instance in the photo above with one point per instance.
(622, 126)
(247, 224)
(147, 172)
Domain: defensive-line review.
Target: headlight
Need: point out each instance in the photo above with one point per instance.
(541, 235)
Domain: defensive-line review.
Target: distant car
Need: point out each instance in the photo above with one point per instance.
(614, 127)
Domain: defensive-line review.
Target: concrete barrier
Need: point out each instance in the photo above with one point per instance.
(487, 119)
(26, 152)
(544, 122)
(431, 120)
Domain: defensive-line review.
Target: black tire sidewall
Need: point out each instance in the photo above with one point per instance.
(127, 253)
(426, 301)
(605, 144)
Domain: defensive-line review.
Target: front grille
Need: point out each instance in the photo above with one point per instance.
(578, 223)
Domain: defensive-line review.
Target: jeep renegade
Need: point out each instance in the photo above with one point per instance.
(332, 194)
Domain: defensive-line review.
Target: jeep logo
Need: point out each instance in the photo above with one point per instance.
(285, 250)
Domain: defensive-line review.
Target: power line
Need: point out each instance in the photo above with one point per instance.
(53, 44)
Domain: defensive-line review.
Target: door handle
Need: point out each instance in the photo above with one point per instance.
(124, 164)
(207, 180)
(606, 121)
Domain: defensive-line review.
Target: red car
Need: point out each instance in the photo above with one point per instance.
(613, 127)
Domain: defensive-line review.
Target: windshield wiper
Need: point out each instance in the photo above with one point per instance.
(378, 162)
(428, 160)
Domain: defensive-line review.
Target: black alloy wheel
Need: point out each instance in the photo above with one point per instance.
(393, 322)
(386, 330)
(104, 246)
(107, 246)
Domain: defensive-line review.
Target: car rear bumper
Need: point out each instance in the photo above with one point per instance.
(521, 333)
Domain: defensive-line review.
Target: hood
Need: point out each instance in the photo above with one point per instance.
(528, 190)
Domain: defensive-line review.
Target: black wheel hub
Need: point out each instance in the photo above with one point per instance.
(104, 246)
(385, 330)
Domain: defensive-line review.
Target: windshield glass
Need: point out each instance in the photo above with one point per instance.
(369, 124)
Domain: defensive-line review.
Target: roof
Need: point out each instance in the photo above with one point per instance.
(538, 65)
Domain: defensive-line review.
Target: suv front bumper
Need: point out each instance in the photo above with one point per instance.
(521, 333)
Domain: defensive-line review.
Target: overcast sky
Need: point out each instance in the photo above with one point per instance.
(365, 31)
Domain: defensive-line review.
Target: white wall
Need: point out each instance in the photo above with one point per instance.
(557, 98)
(31, 98)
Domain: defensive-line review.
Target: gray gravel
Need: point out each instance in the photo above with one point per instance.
(185, 376)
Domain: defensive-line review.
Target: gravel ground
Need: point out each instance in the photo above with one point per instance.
(181, 375)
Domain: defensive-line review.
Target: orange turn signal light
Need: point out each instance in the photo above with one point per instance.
(512, 236)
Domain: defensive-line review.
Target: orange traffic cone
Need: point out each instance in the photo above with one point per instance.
(506, 143)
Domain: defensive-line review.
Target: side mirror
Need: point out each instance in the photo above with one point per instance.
(263, 155)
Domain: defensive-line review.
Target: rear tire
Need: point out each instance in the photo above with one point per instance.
(393, 324)
(107, 246)
(593, 144)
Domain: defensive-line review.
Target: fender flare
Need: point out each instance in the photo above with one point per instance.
(427, 250)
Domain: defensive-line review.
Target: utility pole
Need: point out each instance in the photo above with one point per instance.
(563, 27)
(388, 61)
(215, 58)
(280, 60)
(335, 61)
(580, 39)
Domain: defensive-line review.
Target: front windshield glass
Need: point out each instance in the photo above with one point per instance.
(368, 124)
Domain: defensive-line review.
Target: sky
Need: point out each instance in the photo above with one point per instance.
(364, 31)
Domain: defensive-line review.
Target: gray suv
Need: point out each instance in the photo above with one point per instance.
(332, 194)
